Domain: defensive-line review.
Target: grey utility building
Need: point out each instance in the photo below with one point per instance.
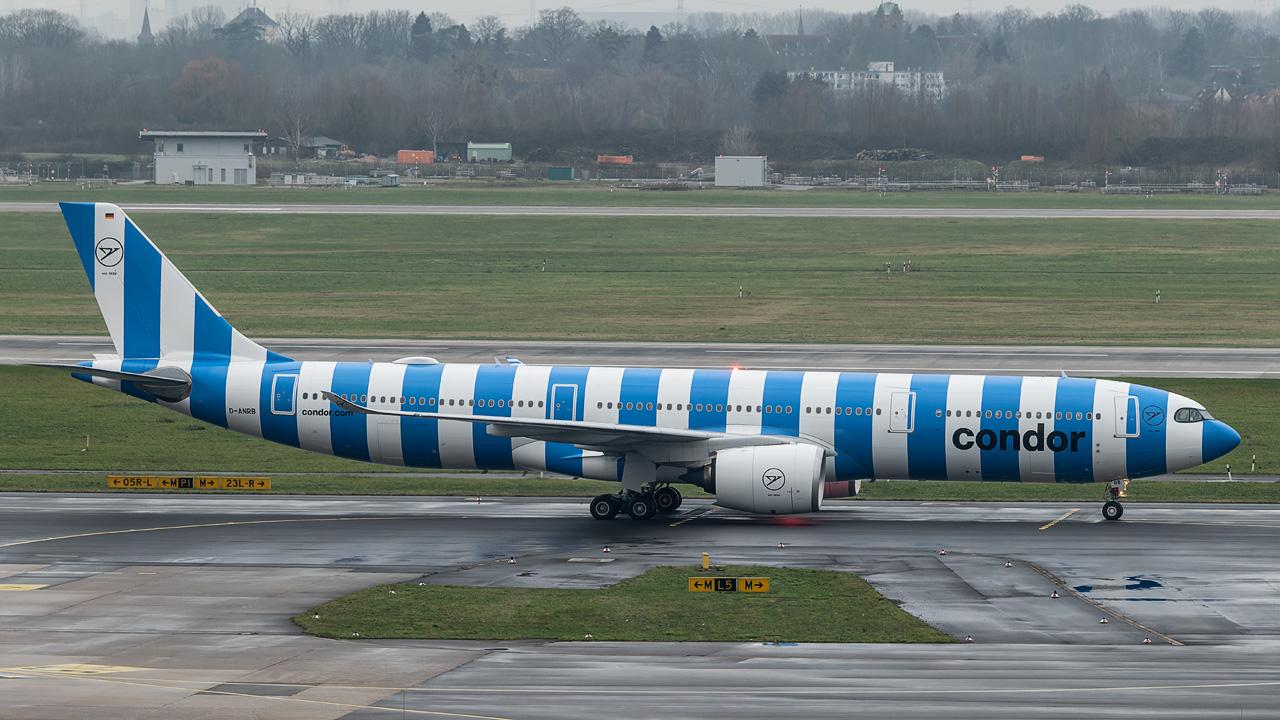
(204, 158)
(488, 152)
(741, 171)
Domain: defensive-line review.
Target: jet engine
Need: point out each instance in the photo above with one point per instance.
(772, 479)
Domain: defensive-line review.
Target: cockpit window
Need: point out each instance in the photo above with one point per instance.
(1191, 415)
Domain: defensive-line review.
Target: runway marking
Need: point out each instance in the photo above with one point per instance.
(853, 692)
(328, 703)
(1084, 598)
(1065, 515)
(693, 516)
(219, 524)
(19, 587)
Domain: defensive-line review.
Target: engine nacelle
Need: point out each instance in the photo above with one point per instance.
(773, 479)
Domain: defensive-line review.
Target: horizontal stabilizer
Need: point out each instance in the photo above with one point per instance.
(167, 383)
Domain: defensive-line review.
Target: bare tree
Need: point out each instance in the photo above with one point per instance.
(738, 140)
(437, 114)
(294, 120)
(297, 33)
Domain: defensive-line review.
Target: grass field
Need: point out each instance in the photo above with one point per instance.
(820, 606)
(47, 415)
(818, 280)
(482, 192)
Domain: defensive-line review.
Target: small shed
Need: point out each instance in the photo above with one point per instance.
(559, 173)
(488, 152)
(741, 171)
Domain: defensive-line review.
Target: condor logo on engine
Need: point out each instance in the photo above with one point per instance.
(773, 479)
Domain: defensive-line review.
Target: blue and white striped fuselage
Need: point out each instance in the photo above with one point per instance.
(886, 426)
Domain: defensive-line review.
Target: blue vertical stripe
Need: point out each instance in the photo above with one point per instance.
(141, 295)
(710, 390)
(853, 429)
(492, 393)
(81, 219)
(1003, 395)
(278, 428)
(137, 366)
(420, 437)
(640, 392)
(1146, 453)
(209, 392)
(565, 459)
(350, 433)
(926, 445)
(1075, 397)
(781, 388)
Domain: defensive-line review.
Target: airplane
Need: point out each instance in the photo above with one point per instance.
(771, 442)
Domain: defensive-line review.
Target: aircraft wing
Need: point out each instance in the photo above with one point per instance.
(564, 431)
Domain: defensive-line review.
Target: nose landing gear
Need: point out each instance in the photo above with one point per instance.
(1112, 509)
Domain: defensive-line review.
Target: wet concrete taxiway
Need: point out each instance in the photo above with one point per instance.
(151, 606)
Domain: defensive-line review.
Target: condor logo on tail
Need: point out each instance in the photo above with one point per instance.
(1031, 440)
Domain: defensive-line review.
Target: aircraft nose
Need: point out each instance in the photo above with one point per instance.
(1219, 439)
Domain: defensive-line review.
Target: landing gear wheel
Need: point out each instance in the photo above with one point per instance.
(1112, 510)
(667, 499)
(604, 507)
(642, 507)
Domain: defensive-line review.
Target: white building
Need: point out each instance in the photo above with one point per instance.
(741, 171)
(927, 85)
(204, 158)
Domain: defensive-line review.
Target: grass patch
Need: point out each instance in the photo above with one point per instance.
(803, 606)
(1016, 281)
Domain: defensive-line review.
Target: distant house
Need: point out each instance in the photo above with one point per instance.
(914, 83)
(797, 45)
(255, 16)
(889, 17)
(203, 158)
(320, 146)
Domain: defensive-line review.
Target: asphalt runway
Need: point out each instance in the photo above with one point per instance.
(156, 606)
(625, 211)
(1080, 361)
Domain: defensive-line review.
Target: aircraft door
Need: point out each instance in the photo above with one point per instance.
(1127, 417)
(564, 402)
(284, 393)
(902, 412)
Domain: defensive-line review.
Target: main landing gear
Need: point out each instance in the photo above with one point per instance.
(639, 505)
(1112, 509)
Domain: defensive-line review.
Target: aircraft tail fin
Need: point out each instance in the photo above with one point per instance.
(152, 311)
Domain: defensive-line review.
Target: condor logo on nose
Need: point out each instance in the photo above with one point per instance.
(1031, 440)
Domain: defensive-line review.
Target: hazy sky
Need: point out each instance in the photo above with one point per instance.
(120, 17)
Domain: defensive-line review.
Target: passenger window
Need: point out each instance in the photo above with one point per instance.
(768, 408)
(432, 401)
(719, 407)
(808, 410)
(988, 414)
(879, 410)
(1059, 417)
(648, 406)
(788, 409)
(539, 403)
(362, 398)
(858, 410)
(1088, 416)
(939, 413)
